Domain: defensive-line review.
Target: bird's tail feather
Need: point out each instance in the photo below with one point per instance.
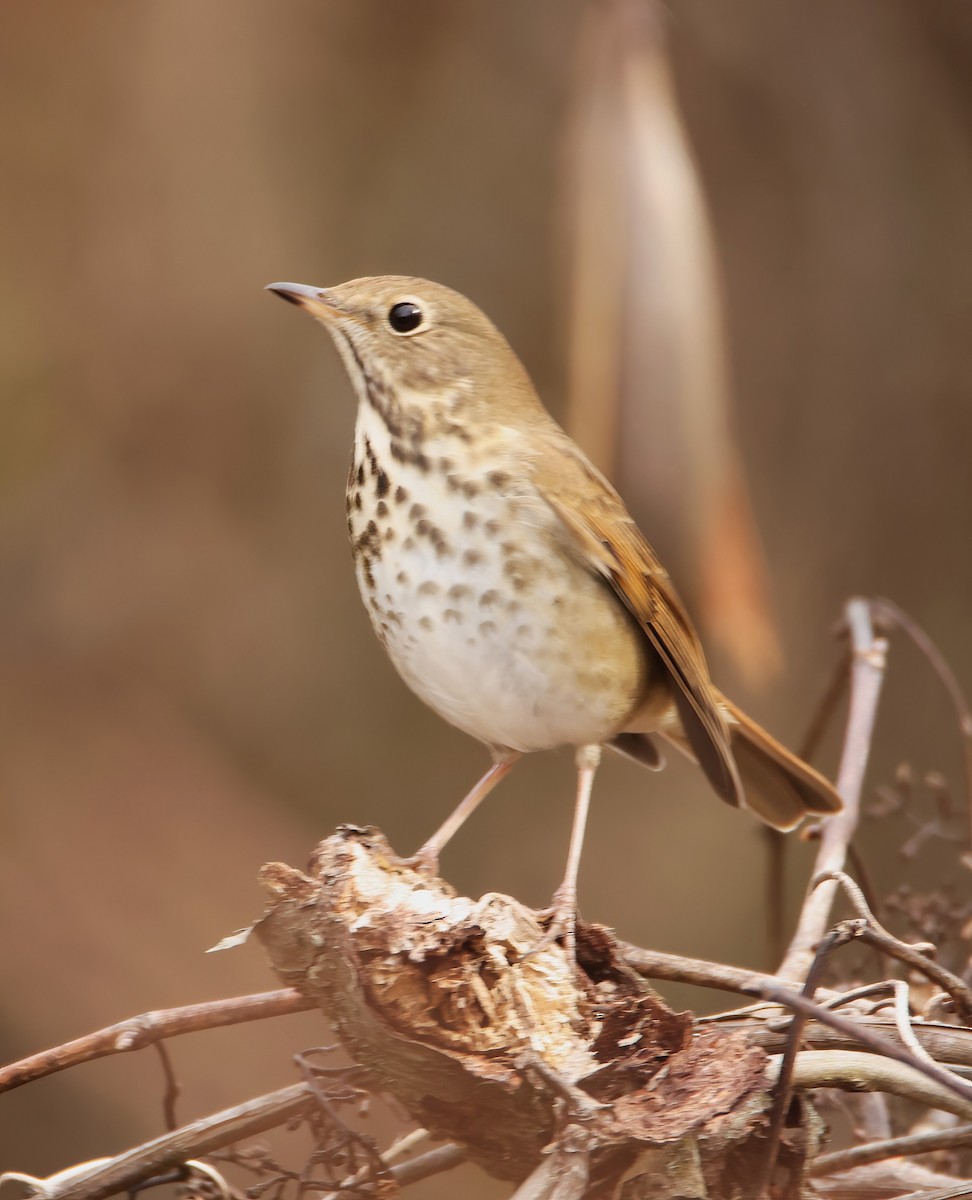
(780, 788)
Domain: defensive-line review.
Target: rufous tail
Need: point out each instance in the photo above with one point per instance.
(780, 788)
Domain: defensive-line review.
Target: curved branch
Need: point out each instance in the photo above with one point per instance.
(859, 1071)
(915, 1143)
(200, 1137)
(653, 964)
(867, 677)
(135, 1033)
(769, 990)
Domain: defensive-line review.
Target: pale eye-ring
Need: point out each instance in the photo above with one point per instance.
(405, 317)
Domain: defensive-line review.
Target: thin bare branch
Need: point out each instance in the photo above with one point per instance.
(170, 1097)
(137, 1032)
(946, 1043)
(855, 893)
(957, 989)
(885, 1179)
(769, 990)
(859, 1070)
(916, 955)
(653, 964)
(957, 1192)
(915, 1143)
(902, 1020)
(124, 1171)
(867, 677)
(433, 1162)
(783, 1086)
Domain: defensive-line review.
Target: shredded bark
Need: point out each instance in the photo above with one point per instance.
(508, 1050)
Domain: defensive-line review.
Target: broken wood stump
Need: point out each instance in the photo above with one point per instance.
(579, 1079)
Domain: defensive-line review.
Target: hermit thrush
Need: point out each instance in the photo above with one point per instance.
(505, 578)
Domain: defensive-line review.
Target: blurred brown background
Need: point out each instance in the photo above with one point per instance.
(189, 686)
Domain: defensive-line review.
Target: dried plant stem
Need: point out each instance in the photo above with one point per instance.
(403, 1145)
(148, 1028)
(957, 989)
(882, 1046)
(946, 1043)
(782, 1089)
(433, 1162)
(197, 1138)
(886, 1179)
(916, 1143)
(867, 677)
(857, 1070)
(959, 1190)
(653, 964)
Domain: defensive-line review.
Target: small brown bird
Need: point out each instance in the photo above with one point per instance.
(504, 576)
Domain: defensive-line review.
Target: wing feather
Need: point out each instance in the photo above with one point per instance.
(602, 532)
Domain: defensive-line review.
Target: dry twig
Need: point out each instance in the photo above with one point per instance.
(916, 1143)
(137, 1032)
(867, 677)
(892, 1054)
(191, 1141)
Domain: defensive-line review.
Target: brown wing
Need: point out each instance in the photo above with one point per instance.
(602, 532)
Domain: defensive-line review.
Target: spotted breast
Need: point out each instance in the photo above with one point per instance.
(516, 646)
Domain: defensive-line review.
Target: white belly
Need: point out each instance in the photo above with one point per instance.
(518, 647)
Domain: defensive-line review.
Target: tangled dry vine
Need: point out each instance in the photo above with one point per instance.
(574, 1085)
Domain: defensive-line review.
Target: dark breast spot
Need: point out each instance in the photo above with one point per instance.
(428, 529)
(367, 546)
(403, 453)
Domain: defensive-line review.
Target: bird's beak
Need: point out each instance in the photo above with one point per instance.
(316, 301)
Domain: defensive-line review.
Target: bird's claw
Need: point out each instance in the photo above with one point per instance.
(561, 920)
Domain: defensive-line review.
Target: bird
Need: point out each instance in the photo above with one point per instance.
(509, 585)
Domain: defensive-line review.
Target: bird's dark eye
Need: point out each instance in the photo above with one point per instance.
(404, 317)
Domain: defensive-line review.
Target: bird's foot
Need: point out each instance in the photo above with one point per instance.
(425, 860)
(560, 918)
